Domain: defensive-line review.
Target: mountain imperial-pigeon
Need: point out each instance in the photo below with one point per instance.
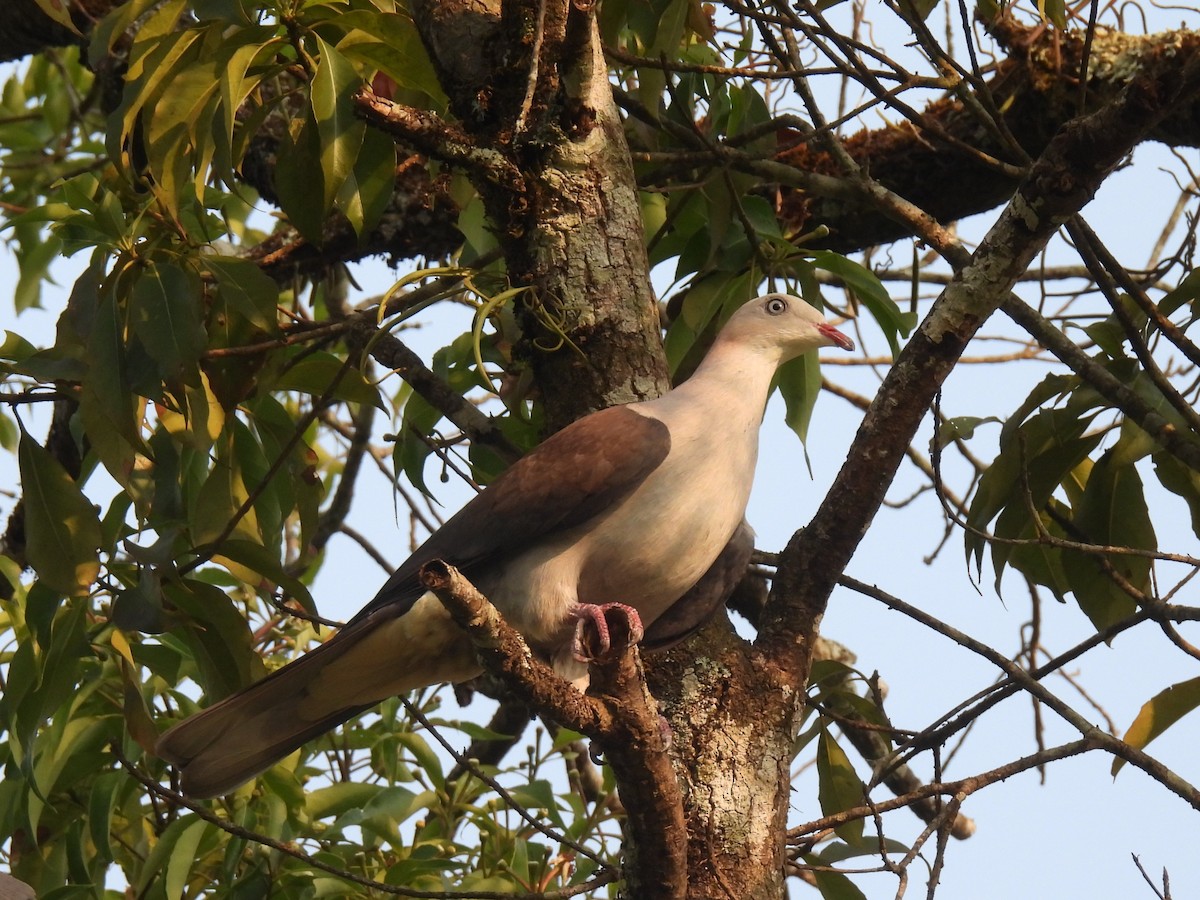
(631, 505)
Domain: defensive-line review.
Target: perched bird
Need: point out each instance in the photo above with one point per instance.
(630, 505)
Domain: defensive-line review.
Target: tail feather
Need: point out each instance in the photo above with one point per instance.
(378, 657)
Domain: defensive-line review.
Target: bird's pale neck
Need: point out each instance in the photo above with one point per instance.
(733, 376)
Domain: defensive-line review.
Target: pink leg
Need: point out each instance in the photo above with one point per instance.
(614, 626)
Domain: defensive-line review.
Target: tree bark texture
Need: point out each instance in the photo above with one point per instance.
(732, 748)
(570, 226)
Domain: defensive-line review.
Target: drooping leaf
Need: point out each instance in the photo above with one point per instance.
(220, 507)
(833, 885)
(258, 559)
(199, 421)
(413, 441)
(140, 608)
(59, 11)
(1158, 714)
(177, 842)
(370, 184)
(107, 404)
(839, 786)
(1036, 456)
(799, 383)
(1181, 481)
(62, 528)
(219, 637)
(870, 290)
(248, 289)
(340, 132)
(299, 181)
(1112, 512)
(165, 313)
(391, 43)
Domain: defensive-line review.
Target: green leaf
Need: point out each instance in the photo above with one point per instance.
(106, 375)
(426, 759)
(339, 130)
(200, 420)
(392, 44)
(327, 802)
(1040, 455)
(1187, 291)
(299, 181)
(56, 671)
(1054, 457)
(837, 851)
(370, 185)
(264, 562)
(394, 803)
(220, 639)
(100, 812)
(248, 290)
(177, 842)
(1112, 512)
(15, 348)
(1182, 481)
(183, 857)
(140, 608)
(62, 527)
(1055, 11)
(833, 885)
(59, 11)
(839, 786)
(870, 290)
(220, 498)
(316, 372)
(922, 8)
(165, 313)
(34, 263)
(1158, 714)
(800, 383)
(960, 428)
(539, 795)
(413, 441)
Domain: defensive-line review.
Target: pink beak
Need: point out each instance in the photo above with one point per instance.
(835, 337)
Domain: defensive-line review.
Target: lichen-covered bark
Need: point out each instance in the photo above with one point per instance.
(572, 230)
(731, 742)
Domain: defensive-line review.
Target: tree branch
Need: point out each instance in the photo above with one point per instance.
(618, 714)
(1176, 441)
(432, 135)
(1060, 182)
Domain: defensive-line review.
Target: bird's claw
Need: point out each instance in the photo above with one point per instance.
(614, 626)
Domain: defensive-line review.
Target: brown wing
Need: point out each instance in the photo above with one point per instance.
(573, 475)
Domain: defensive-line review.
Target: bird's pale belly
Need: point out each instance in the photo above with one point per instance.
(607, 565)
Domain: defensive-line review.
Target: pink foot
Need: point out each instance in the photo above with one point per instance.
(614, 626)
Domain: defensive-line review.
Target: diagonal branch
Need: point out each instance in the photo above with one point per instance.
(1059, 183)
(1174, 440)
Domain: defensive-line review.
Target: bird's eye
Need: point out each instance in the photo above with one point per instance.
(776, 306)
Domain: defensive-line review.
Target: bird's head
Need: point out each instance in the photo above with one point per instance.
(783, 323)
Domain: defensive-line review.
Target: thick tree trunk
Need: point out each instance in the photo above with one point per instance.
(570, 225)
(731, 728)
(572, 230)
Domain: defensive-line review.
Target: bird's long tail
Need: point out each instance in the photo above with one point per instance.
(372, 659)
